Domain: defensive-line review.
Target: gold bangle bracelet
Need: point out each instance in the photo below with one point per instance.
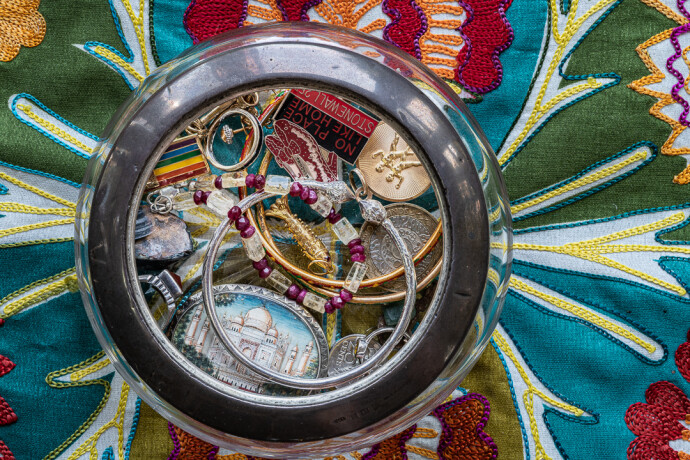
(379, 298)
(267, 240)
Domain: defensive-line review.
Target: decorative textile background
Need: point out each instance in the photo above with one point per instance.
(586, 104)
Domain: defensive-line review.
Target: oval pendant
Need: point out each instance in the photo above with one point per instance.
(271, 330)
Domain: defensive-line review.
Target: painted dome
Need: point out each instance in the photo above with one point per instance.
(273, 332)
(258, 318)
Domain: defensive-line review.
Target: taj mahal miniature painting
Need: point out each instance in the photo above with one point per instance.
(265, 330)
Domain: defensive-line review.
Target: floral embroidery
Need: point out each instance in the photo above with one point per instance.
(488, 33)
(460, 42)
(666, 82)
(391, 448)
(20, 25)
(657, 422)
(205, 18)
(463, 421)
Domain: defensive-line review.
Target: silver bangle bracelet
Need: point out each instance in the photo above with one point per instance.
(317, 383)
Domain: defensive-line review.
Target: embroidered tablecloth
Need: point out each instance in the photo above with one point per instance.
(584, 101)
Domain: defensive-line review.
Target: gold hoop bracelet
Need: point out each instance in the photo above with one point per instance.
(267, 240)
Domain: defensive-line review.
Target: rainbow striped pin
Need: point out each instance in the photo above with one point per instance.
(182, 160)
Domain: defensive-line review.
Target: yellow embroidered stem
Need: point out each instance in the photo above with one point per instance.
(32, 242)
(37, 191)
(50, 380)
(582, 181)
(495, 214)
(591, 250)
(27, 209)
(528, 396)
(89, 370)
(54, 285)
(138, 23)
(109, 55)
(583, 313)
(26, 228)
(562, 40)
(116, 422)
(61, 133)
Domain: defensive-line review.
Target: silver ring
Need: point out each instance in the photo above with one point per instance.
(307, 384)
(257, 140)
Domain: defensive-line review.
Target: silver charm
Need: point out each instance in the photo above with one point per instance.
(336, 191)
(168, 284)
(372, 211)
(273, 332)
(344, 354)
(415, 225)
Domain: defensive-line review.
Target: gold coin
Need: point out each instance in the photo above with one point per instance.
(390, 167)
(415, 225)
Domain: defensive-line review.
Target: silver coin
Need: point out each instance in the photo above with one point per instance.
(416, 225)
(342, 357)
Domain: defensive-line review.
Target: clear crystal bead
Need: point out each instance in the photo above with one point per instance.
(278, 281)
(184, 201)
(204, 182)
(344, 230)
(323, 205)
(314, 302)
(169, 191)
(279, 185)
(233, 179)
(255, 250)
(220, 202)
(355, 277)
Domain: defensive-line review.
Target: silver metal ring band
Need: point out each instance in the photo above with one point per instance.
(307, 384)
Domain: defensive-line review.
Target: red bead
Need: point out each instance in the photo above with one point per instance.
(204, 196)
(357, 249)
(354, 242)
(305, 194)
(265, 272)
(337, 302)
(312, 198)
(242, 223)
(328, 307)
(248, 232)
(296, 189)
(249, 180)
(359, 257)
(261, 264)
(292, 292)
(334, 218)
(300, 297)
(197, 197)
(218, 182)
(234, 213)
(346, 296)
(2, 322)
(259, 181)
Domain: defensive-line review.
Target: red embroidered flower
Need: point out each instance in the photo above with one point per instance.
(460, 41)
(463, 421)
(657, 422)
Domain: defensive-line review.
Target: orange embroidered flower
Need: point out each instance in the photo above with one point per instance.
(20, 25)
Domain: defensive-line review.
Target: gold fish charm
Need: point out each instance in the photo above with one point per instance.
(311, 246)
